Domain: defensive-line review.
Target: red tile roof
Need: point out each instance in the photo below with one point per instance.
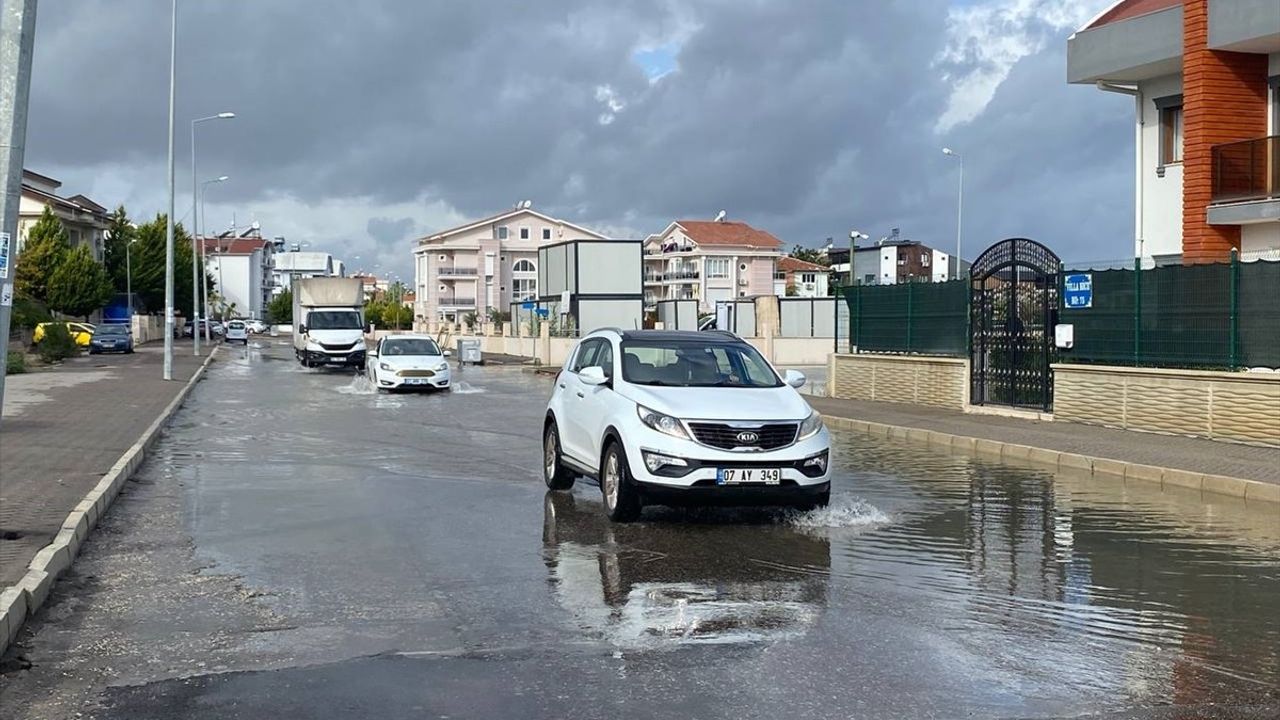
(707, 232)
(1126, 9)
(790, 264)
(234, 246)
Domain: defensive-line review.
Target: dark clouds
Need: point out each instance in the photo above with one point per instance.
(362, 124)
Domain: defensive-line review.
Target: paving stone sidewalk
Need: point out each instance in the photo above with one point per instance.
(1183, 453)
(63, 428)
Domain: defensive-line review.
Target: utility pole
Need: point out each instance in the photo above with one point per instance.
(168, 227)
(17, 36)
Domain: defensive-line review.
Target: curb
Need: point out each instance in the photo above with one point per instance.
(1248, 490)
(20, 601)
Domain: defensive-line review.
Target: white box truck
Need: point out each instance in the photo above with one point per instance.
(328, 322)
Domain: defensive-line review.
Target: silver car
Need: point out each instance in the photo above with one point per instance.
(237, 331)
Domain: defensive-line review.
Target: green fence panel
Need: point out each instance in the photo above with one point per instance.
(1104, 332)
(1258, 306)
(924, 318)
(1186, 316)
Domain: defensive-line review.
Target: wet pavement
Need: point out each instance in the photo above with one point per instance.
(303, 547)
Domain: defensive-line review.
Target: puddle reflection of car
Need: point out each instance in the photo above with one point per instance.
(641, 586)
(404, 362)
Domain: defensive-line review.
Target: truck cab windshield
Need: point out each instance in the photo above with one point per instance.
(334, 320)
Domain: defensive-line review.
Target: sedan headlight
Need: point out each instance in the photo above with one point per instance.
(810, 426)
(664, 424)
(441, 367)
(384, 366)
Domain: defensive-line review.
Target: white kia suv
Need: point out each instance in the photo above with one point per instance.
(676, 418)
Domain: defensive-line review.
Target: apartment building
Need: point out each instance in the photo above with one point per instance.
(85, 220)
(892, 260)
(1204, 76)
(243, 269)
(709, 261)
(488, 263)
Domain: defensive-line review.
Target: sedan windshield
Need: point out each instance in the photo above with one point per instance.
(334, 320)
(416, 346)
(112, 330)
(691, 364)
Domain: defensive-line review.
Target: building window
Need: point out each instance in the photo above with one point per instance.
(1170, 109)
(717, 267)
(546, 233)
(924, 260)
(524, 233)
(808, 278)
(524, 266)
(523, 289)
(502, 233)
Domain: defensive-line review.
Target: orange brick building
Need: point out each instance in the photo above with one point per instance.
(1205, 78)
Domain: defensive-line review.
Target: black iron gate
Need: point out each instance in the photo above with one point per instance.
(1014, 287)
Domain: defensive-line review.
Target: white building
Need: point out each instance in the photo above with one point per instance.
(289, 265)
(798, 278)
(86, 221)
(485, 264)
(242, 270)
(891, 261)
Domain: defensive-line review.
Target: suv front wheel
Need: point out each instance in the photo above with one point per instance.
(556, 475)
(621, 499)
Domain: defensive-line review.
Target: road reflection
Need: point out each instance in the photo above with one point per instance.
(725, 580)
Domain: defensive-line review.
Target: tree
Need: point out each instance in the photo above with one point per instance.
(42, 252)
(115, 249)
(79, 285)
(280, 309)
(148, 266)
(816, 257)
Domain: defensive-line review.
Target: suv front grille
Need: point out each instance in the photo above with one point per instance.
(769, 436)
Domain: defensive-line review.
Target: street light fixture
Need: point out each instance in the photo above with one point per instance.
(195, 276)
(204, 263)
(959, 208)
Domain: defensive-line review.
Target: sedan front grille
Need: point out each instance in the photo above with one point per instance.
(768, 436)
(415, 373)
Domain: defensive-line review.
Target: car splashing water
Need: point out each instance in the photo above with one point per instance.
(359, 385)
(464, 388)
(843, 512)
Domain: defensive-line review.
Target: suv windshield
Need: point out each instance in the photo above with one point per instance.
(334, 320)
(692, 364)
(410, 347)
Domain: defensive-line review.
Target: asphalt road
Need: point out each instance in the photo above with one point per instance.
(303, 547)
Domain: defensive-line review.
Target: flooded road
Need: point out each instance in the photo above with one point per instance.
(301, 546)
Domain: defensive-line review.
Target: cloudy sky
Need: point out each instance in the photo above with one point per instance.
(362, 125)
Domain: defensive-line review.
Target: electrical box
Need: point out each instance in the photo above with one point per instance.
(1064, 335)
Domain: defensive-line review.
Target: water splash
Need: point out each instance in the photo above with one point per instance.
(842, 512)
(359, 385)
(465, 388)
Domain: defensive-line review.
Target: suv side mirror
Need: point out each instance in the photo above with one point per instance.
(794, 378)
(593, 375)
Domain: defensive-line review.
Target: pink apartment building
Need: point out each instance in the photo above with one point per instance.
(489, 263)
(709, 261)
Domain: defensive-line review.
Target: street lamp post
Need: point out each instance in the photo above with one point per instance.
(959, 208)
(168, 229)
(128, 279)
(204, 258)
(195, 273)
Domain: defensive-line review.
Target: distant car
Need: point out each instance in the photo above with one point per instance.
(408, 361)
(82, 333)
(215, 328)
(681, 417)
(111, 338)
(257, 327)
(237, 331)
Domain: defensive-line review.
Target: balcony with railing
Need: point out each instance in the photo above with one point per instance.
(1246, 170)
(455, 301)
(462, 272)
(680, 275)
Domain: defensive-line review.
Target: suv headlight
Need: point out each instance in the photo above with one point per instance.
(810, 426)
(664, 424)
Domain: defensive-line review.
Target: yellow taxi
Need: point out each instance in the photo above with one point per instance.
(82, 333)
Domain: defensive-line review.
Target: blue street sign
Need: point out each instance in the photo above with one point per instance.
(542, 312)
(1077, 291)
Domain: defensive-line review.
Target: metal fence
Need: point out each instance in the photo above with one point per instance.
(1188, 316)
(920, 318)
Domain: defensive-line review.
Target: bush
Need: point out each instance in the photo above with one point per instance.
(15, 363)
(28, 313)
(57, 343)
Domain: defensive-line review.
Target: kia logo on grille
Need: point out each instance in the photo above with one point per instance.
(748, 437)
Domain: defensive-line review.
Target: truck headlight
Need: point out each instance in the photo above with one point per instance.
(664, 424)
(314, 346)
(810, 426)
(359, 344)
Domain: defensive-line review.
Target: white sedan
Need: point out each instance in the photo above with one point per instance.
(407, 362)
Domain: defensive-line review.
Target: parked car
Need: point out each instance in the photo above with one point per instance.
(237, 331)
(215, 328)
(408, 361)
(257, 327)
(111, 338)
(82, 333)
(683, 417)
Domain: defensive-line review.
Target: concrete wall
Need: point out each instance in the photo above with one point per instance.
(147, 328)
(1241, 407)
(943, 382)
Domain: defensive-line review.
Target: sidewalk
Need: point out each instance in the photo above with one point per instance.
(64, 428)
(1192, 455)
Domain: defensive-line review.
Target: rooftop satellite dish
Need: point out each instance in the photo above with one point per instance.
(527, 204)
(720, 216)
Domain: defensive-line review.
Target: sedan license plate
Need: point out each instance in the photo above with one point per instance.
(415, 381)
(741, 476)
